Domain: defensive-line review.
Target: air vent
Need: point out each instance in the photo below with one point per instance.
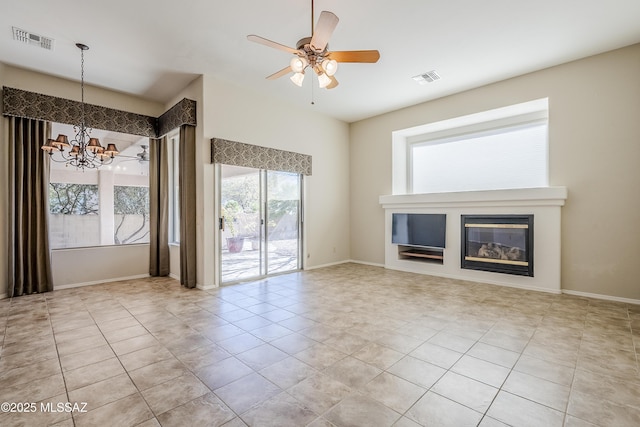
(428, 77)
(32, 39)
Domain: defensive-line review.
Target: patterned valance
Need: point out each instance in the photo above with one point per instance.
(253, 156)
(21, 103)
(32, 105)
(183, 113)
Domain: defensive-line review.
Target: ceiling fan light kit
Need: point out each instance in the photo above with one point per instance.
(313, 52)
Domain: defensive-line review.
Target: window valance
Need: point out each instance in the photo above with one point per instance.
(22, 103)
(254, 156)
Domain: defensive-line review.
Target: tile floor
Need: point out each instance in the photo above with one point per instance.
(349, 345)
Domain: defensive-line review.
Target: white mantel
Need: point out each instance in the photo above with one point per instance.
(543, 203)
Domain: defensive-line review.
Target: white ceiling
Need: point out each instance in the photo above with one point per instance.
(154, 48)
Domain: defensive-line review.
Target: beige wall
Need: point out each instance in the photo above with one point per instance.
(231, 112)
(64, 261)
(594, 134)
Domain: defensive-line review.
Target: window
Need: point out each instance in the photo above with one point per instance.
(498, 149)
(174, 190)
(74, 218)
(108, 206)
(131, 214)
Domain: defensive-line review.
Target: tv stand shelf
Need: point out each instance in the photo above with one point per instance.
(418, 254)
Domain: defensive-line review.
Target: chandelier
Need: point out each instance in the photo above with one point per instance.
(83, 152)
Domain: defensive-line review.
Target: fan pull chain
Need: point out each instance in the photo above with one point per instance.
(312, 101)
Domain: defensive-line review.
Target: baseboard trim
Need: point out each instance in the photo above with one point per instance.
(4, 296)
(601, 296)
(372, 264)
(205, 287)
(98, 282)
(331, 264)
(174, 276)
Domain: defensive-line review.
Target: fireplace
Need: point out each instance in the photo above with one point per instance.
(497, 243)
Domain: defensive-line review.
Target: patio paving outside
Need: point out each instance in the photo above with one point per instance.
(282, 257)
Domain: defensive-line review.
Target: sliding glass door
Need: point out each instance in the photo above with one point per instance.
(259, 222)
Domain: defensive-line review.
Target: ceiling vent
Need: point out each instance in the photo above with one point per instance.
(32, 39)
(428, 77)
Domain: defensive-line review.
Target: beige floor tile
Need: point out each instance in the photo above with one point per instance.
(33, 391)
(143, 357)
(174, 392)
(246, 392)
(452, 342)
(271, 332)
(378, 355)
(278, 409)
(417, 371)
(599, 411)
(28, 373)
(203, 356)
(481, 370)
(615, 390)
(359, 410)
(433, 409)
(538, 390)
(348, 324)
(262, 356)
(393, 391)
(94, 373)
(287, 372)
(240, 343)
(346, 342)
(319, 392)
(515, 410)
(436, 355)
(103, 392)
(206, 410)
(86, 357)
(352, 372)
(550, 371)
(222, 372)
(320, 356)
(157, 373)
(127, 411)
(80, 344)
(132, 344)
(494, 354)
(466, 391)
(398, 342)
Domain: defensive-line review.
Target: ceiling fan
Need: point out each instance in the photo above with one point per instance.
(313, 53)
(141, 157)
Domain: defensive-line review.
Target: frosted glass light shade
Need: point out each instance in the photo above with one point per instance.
(330, 66)
(297, 79)
(323, 80)
(298, 64)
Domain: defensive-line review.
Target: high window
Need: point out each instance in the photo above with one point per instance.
(499, 149)
(107, 206)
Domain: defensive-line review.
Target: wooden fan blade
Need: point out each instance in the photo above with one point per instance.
(269, 43)
(326, 24)
(333, 83)
(368, 56)
(284, 71)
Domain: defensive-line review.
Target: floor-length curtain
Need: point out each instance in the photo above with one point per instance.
(28, 242)
(187, 183)
(158, 208)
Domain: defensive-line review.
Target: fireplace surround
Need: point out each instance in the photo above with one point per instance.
(544, 203)
(497, 243)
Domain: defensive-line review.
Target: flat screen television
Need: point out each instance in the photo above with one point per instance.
(428, 230)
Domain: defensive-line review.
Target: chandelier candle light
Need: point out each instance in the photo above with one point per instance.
(84, 152)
